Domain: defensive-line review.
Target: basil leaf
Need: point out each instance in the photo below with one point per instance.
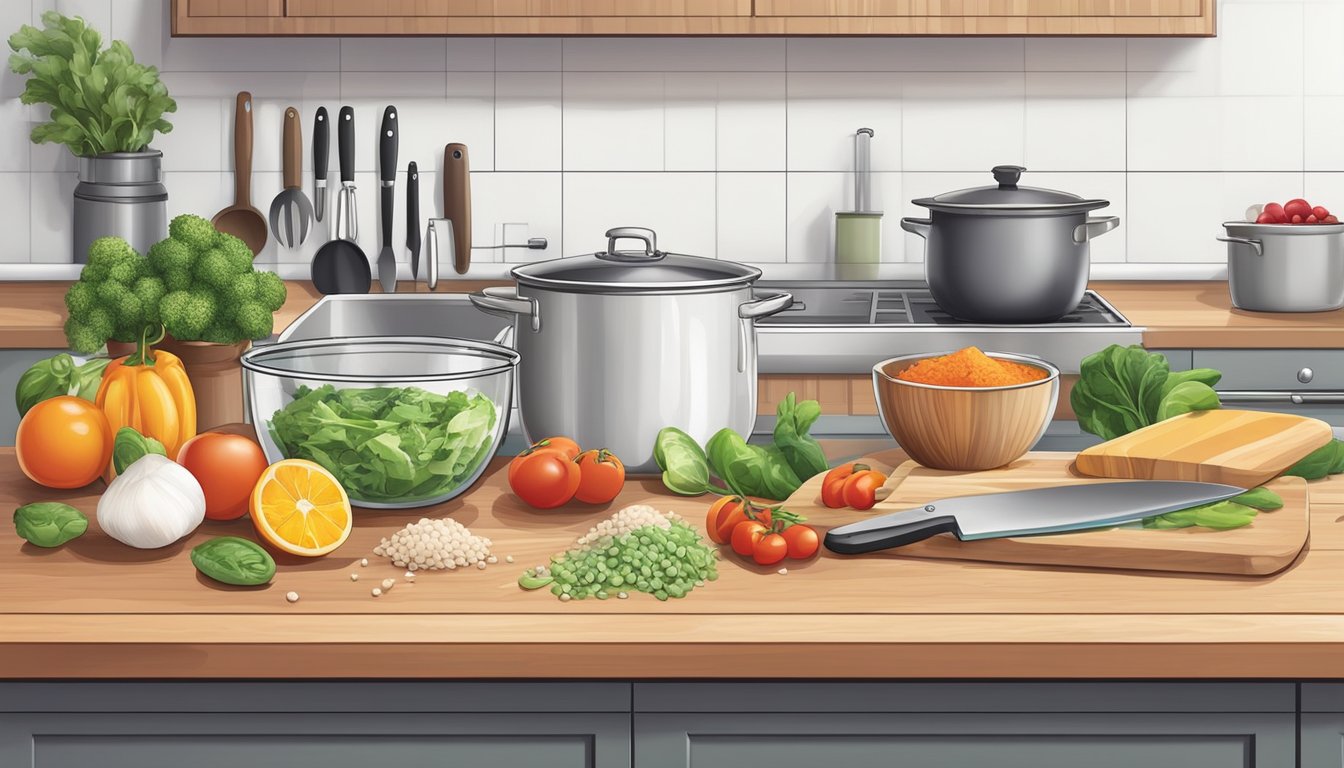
(129, 446)
(1316, 464)
(802, 451)
(1219, 516)
(1259, 498)
(1186, 397)
(49, 523)
(233, 560)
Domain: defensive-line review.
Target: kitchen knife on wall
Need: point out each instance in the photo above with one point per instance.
(457, 203)
(321, 149)
(387, 176)
(1059, 509)
(413, 218)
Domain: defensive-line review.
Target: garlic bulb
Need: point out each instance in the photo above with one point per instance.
(155, 502)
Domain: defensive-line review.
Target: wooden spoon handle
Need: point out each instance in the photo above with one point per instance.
(242, 149)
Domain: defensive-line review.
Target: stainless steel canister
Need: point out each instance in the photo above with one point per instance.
(1285, 267)
(120, 194)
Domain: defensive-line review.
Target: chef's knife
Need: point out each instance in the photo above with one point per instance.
(321, 148)
(413, 218)
(1024, 513)
(387, 174)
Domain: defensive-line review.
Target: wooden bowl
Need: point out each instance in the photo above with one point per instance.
(965, 428)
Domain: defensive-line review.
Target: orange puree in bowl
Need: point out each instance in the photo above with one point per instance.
(970, 367)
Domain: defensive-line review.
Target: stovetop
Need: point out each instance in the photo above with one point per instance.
(906, 304)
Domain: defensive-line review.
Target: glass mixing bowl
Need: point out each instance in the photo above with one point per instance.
(400, 421)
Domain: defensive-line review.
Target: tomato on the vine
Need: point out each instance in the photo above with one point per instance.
(770, 549)
(860, 490)
(803, 541)
(746, 535)
(833, 485)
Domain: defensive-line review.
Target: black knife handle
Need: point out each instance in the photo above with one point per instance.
(345, 143)
(321, 143)
(892, 536)
(387, 146)
(412, 207)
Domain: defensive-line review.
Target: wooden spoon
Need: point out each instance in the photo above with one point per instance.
(241, 219)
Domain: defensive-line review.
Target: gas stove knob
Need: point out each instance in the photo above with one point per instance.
(1305, 375)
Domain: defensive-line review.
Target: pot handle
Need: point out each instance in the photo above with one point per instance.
(1094, 227)
(505, 302)
(764, 307)
(919, 227)
(1256, 245)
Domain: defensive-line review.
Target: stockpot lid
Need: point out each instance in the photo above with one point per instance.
(641, 271)
(1008, 198)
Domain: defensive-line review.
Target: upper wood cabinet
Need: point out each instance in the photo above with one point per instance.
(692, 17)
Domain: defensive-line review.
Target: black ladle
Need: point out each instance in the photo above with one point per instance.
(340, 265)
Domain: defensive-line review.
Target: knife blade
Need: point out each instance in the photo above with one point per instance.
(321, 149)
(413, 218)
(1056, 509)
(387, 173)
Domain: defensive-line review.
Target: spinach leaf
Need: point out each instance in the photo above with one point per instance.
(233, 560)
(1206, 376)
(129, 446)
(1260, 498)
(389, 443)
(685, 467)
(1185, 397)
(1318, 463)
(1219, 516)
(750, 470)
(802, 451)
(49, 523)
(58, 375)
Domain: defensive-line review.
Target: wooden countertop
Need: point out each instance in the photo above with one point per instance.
(1175, 314)
(96, 609)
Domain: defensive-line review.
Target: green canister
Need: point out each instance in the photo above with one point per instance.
(858, 233)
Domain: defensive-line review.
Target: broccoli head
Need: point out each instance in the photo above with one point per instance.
(128, 314)
(254, 320)
(186, 314)
(80, 299)
(83, 337)
(237, 252)
(177, 280)
(171, 256)
(243, 289)
(271, 290)
(222, 333)
(192, 231)
(216, 270)
(150, 291)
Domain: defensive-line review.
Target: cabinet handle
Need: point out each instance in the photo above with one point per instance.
(1278, 396)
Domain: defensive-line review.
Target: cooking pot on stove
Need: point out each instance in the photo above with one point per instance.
(1008, 253)
(618, 344)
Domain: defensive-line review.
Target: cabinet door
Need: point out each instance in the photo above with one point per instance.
(509, 8)
(1323, 725)
(966, 740)
(985, 8)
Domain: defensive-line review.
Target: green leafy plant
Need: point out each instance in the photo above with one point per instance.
(49, 523)
(233, 560)
(799, 448)
(1326, 460)
(684, 464)
(129, 446)
(388, 443)
(58, 375)
(198, 284)
(1123, 389)
(102, 100)
(751, 470)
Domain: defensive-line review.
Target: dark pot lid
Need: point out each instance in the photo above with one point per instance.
(643, 271)
(1008, 197)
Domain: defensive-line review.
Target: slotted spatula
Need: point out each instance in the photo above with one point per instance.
(291, 212)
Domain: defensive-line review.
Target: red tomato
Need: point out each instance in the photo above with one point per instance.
(1331, 219)
(802, 540)
(1297, 218)
(601, 476)
(227, 467)
(545, 479)
(1297, 207)
(833, 486)
(746, 535)
(563, 445)
(1265, 218)
(861, 488)
(723, 517)
(1320, 212)
(1275, 211)
(1312, 219)
(770, 549)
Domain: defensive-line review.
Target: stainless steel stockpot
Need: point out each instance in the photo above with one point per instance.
(619, 344)
(1008, 254)
(1285, 267)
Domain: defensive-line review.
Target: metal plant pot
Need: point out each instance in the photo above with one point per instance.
(120, 194)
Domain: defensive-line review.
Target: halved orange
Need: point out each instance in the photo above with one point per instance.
(300, 508)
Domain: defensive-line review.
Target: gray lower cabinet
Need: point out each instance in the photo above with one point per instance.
(13, 363)
(314, 725)
(1323, 725)
(966, 725)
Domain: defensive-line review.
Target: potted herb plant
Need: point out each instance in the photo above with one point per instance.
(105, 107)
(199, 286)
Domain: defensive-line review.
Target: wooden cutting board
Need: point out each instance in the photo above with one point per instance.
(1268, 545)
(1241, 448)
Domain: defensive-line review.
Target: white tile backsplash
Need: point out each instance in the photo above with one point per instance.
(739, 148)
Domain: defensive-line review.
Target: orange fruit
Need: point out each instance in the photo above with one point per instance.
(64, 442)
(300, 508)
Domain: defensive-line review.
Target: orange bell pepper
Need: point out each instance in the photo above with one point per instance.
(148, 390)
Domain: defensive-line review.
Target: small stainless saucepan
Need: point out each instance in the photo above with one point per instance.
(1285, 267)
